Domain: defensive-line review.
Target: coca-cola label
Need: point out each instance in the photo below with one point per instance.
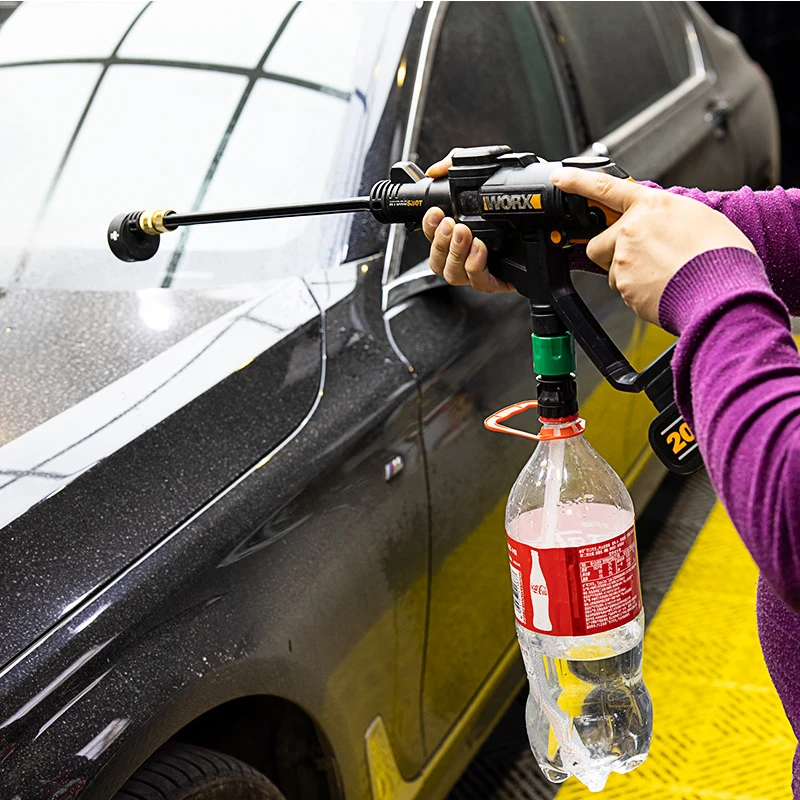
(576, 591)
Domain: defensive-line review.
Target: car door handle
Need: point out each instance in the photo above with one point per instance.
(718, 116)
(410, 283)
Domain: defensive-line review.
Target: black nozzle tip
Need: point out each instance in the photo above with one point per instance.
(127, 241)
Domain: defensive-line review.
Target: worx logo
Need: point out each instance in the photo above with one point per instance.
(511, 202)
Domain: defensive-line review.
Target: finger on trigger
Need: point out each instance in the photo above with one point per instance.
(613, 192)
(430, 222)
(600, 249)
(477, 270)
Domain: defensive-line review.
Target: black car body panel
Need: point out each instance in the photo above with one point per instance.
(231, 626)
(140, 490)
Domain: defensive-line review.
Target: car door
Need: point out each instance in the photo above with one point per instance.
(659, 111)
(238, 433)
(490, 80)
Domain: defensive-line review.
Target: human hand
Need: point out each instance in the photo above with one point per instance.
(656, 235)
(455, 254)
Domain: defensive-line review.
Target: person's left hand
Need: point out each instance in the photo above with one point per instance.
(656, 235)
(456, 255)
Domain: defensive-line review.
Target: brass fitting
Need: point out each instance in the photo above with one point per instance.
(152, 222)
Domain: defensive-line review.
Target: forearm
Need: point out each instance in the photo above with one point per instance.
(737, 382)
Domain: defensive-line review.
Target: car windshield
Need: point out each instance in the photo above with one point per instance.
(115, 107)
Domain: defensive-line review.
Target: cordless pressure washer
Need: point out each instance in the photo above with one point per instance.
(507, 200)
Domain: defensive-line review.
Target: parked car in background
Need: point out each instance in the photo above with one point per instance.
(252, 524)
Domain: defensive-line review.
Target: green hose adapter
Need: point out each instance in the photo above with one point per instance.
(553, 355)
(554, 365)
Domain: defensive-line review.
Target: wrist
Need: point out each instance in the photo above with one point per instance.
(707, 279)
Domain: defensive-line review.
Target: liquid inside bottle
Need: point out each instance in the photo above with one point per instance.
(580, 624)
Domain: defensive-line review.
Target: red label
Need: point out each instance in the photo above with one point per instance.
(575, 591)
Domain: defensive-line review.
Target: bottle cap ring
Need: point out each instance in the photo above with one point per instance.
(574, 426)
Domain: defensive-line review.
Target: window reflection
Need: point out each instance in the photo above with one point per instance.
(32, 150)
(236, 34)
(321, 44)
(49, 30)
(294, 133)
(90, 140)
(125, 159)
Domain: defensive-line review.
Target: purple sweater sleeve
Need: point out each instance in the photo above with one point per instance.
(737, 382)
(771, 221)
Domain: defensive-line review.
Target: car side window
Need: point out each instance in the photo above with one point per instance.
(490, 83)
(672, 27)
(620, 58)
(265, 106)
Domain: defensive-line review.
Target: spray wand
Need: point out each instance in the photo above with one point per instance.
(508, 200)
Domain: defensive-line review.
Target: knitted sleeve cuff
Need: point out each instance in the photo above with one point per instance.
(706, 279)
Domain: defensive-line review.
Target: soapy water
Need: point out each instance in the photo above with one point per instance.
(588, 712)
(574, 525)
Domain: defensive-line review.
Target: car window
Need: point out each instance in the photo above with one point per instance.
(110, 107)
(490, 83)
(619, 57)
(672, 27)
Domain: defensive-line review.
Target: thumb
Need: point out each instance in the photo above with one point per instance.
(439, 169)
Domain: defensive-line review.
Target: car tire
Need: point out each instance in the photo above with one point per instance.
(187, 772)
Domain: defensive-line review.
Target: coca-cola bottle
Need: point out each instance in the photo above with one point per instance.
(577, 599)
(589, 712)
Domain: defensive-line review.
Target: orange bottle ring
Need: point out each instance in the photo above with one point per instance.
(568, 427)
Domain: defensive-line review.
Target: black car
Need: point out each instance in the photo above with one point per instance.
(252, 524)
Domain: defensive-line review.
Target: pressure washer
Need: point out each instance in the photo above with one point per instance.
(528, 225)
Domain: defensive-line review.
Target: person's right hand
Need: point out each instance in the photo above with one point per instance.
(455, 254)
(656, 234)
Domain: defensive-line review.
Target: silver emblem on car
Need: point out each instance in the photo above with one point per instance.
(393, 467)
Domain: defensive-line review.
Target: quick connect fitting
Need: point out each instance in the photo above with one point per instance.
(553, 355)
(554, 365)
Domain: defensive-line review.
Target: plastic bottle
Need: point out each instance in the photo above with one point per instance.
(577, 600)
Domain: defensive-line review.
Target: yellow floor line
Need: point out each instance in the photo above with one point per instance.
(720, 730)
